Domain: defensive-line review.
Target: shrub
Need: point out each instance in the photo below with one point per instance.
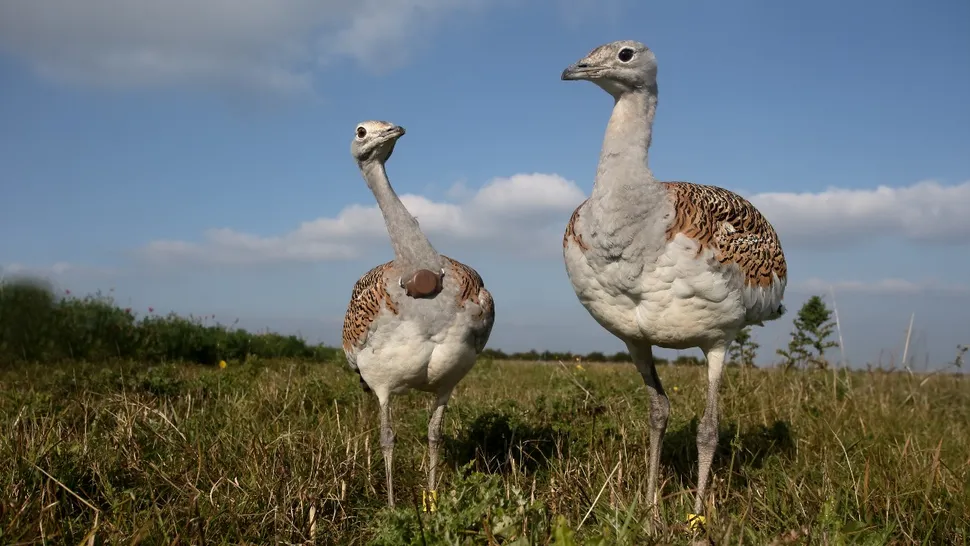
(38, 325)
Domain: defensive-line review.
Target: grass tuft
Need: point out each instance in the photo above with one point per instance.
(287, 451)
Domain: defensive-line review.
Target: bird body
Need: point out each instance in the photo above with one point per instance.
(677, 285)
(418, 321)
(425, 344)
(669, 264)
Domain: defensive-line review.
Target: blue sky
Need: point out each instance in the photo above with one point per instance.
(194, 156)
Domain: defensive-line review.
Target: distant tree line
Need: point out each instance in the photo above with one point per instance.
(595, 356)
(811, 337)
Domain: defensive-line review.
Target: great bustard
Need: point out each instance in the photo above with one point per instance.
(416, 322)
(671, 264)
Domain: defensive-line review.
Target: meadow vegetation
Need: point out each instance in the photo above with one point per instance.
(38, 324)
(111, 441)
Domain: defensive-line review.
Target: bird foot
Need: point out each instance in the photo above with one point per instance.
(429, 500)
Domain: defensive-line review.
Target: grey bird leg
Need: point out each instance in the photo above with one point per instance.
(659, 412)
(434, 440)
(387, 447)
(707, 429)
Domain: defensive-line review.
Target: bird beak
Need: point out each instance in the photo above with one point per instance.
(394, 132)
(581, 70)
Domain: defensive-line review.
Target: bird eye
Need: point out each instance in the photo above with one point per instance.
(361, 132)
(625, 55)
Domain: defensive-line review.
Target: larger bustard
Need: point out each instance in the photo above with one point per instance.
(416, 322)
(671, 264)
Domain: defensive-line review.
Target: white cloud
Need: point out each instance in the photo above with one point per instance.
(531, 209)
(510, 214)
(886, 287)
(924, 212)
(525, 212)
(274, 45)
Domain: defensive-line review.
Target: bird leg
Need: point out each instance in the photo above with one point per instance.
(659, 412)
(387, 447)
(707, 429)
(434, 449)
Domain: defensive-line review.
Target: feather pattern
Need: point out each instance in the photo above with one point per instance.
(370, 296)
(367, 299)
(732, 227)
(473, 290)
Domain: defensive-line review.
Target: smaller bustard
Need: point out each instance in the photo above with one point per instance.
(672, 264)
(418, 321)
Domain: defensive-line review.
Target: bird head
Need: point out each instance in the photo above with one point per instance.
(374, 140)
(617, 67)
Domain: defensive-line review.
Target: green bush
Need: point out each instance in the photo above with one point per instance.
(38, 325)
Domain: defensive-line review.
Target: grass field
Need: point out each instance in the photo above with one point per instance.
(286, 452)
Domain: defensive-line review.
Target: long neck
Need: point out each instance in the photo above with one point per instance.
(623, 158)
(628, 209)
(412, 250)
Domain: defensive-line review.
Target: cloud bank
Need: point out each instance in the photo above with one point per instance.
(524, 213)
(528, 213)
(269, 45)
(926, 212)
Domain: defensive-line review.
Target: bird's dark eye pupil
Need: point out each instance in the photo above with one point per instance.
(625, 54)
(361, 132)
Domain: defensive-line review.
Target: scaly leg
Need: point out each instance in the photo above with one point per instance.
(387, 446)
(434, 450)
(707, 429)
(659, 412)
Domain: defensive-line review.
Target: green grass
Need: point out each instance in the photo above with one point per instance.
(285, 452)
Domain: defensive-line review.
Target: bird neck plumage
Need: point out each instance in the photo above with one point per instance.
(624, 181)
(412, 249)
(628, 211)
(623, 164)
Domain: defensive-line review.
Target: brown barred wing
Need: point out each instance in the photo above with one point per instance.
(368, 297)
(473, 289)
(730, 225)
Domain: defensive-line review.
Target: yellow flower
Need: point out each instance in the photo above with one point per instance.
(695, 521)
(676, 388)
(222, 364)
(579, 367)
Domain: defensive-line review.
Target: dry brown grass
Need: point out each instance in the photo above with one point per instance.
(286, 452)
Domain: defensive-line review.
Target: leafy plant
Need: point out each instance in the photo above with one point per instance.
(744, 350)
(810, 339)
(477, 509)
